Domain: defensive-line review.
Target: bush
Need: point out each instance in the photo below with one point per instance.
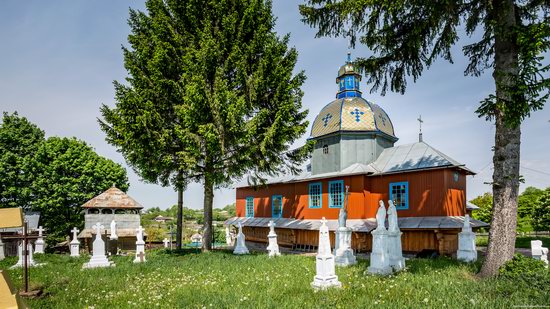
(522, 266)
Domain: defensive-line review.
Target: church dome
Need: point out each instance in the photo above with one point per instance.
(350, 112)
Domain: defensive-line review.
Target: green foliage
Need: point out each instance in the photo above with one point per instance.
(19, 141)
(67, 173)
(407, 37)
(192, 280)
(210, 96)
(231, 210)
(54, 176)
(527, 202)
(541, 213)
(485, 204)
(521, 265)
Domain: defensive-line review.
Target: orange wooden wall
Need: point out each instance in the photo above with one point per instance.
(431, 193)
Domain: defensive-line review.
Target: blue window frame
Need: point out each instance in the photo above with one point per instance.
(335, 194)
(315, 195)
(399, 194)
(250, 206)
(277, 206)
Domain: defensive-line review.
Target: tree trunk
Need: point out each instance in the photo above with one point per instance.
(506, 157)
(207, 237)
(179, 224)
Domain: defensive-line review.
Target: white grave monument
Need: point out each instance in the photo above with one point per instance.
(466, 243)
(2, 255)
(140, 246)
(325, 268)
(240, 247)
(39, 245)
(343, 255)
(75, 244)
(30, 259)
(395, 252)
(228, 238)
(273, 247)
(114, 236)
(166, 242)
(539, 252)
(98, 259)
(379, 257)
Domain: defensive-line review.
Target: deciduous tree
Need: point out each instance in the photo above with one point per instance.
(19, 141)
(406, 37)
(210, 96)
(67, 173)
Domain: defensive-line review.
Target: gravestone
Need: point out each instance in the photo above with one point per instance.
(273, 247)
(539, 252)
(166, 242)
(75, 244)
(466, 243)
(39, 245)
(379, 257)
(113, 239)
(98, 259)
(395, 251)
(343, 256)
(240, 246)
(140, 246)
(325, 269)
(228, 238)
(30, 259)
(2, 254)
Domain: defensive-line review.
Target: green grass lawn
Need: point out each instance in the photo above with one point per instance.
(521, 241)
(222, 280)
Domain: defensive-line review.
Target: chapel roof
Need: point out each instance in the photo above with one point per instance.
(399, 159)
(358, 225)
(112, 198)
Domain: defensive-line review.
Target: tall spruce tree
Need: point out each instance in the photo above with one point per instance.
(408, 36)
(210, 96)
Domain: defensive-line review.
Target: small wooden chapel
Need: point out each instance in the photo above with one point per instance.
(355, 159)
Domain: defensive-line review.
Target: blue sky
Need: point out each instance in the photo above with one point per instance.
(58, 60)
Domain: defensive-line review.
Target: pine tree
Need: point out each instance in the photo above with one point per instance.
(408, 36)
(210, 96)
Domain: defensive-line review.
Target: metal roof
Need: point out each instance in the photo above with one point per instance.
(415, 156)
(404, 158)
(359, 225)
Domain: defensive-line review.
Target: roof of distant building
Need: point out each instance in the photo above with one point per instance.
(112, 198)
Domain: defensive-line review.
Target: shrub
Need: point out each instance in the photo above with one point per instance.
(522, 266)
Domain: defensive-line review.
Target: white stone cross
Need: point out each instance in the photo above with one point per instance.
(97, 227)
(139, 234)
(74, 231)
(271, 226)
(323, 221)
(40, 230)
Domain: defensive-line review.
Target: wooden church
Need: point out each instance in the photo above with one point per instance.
(354, 155)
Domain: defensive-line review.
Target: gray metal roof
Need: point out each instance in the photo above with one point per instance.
(413, 156)
(31, 217)
(359, 225)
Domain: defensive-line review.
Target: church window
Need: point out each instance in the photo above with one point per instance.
(455, 176)
(250, 206)
(335, 194)
(315, 191)
(399, 194)
(325, 149)
(93, 211)
(277, 206)
(107, 211)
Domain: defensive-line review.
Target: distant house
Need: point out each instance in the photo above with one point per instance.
(161, 219)
(110, 205)
(196, 238)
